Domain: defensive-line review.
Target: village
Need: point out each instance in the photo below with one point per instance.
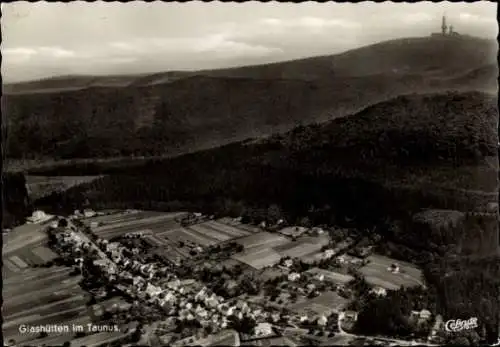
(189, 279)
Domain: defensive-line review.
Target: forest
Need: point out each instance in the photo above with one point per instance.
(357, 172)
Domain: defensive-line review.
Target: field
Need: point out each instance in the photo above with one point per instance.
(97, 339)
(293, 231)
(332, 276)
(205, 234)
(376, 273)
(259, 259)
(262, 238)
(118, 224)
(298, 249)
(24, 246)
(41, 296)
(164, 228)
(312, 257)
(324, 304)
(23, 236)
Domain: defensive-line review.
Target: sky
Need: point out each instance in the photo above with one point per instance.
(43, 39)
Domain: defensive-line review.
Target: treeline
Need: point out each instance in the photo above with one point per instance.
(16, 204)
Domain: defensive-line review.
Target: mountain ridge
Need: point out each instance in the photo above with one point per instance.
(204, 109)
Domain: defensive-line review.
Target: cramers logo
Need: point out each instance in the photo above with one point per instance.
(455, 325)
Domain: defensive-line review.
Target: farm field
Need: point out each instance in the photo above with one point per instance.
(312, 257)
(148, 221)
(189, 235)
(97, 339)
(324, 304)
(204, 234)
(376, 273)
(231, 222)
(298, 249)
(52, 297)
(113, 217)
(233, 231)
(21, 258)
(24, 236)
(293, 231)
(262, 238)
(331, 276)
(259, 259)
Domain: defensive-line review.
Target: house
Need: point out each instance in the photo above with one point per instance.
(322, 320)
(38, 217)
(113, 246)
(421, 316)
(394, 268)
(351, 315)
(342, 259)
(263, 329)
(310, 287)
(288, 262)
(88, 213)
(294, 276)
(100, 263)
(379, 291)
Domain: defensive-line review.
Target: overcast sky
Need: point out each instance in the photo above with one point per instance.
(46, 39)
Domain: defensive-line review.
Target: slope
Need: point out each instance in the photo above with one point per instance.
(391, 159)
(175, 112)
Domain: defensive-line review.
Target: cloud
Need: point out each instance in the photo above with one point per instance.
(19, 55)
(218, 44)
(221, 44)
(309, 23)
(417, 17)
(474, 18)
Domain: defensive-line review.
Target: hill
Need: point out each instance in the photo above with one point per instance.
(390, 159)
(176, 112)
(417, 169)
(16, 202)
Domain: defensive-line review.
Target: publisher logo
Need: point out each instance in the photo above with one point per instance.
(456, 325)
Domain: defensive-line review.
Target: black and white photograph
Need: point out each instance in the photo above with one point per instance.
(250, 174)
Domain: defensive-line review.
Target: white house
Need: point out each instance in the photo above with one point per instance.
(320, 277)
(294, 276)
(322, 320)
(88, 213)
(288, 262)
(379, 291)
(263, 329)
(38, 217)
(394, 268)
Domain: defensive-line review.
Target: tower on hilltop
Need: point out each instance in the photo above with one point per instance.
(443, 26)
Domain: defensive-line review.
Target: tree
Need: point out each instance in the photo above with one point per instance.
(274, 213)
(63, 223)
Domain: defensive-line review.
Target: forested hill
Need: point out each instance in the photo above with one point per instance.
(391, 159)
(16, 204)
(171, 113)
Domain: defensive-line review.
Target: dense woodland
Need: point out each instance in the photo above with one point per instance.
(287, 176)
(169, 113)
(16, 205)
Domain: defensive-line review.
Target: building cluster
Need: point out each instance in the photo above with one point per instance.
(38, 217)
(189, 300)
(446, 30)
(185, 299)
